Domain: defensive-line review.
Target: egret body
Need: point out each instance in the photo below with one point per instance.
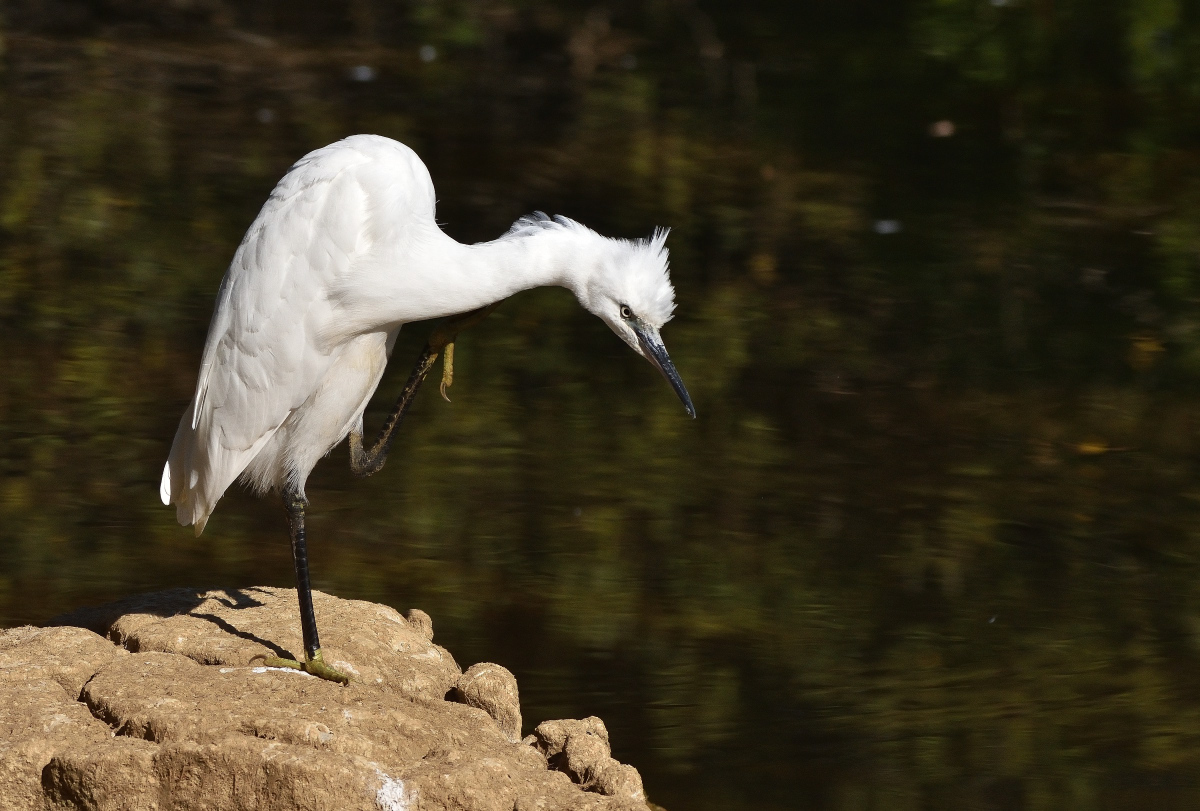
(345, 252)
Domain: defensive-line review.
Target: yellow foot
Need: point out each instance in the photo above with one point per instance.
(447, 370)
(314, 667)
(442, 340)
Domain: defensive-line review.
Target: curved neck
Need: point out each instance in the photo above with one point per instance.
(492, 271)
(435, 276)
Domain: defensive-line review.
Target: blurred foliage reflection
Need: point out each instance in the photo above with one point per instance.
(934, 541)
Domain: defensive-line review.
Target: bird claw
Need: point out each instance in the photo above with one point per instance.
(314, 667)
(447, 370)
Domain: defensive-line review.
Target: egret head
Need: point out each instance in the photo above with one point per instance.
(624, 282)
(630, 290)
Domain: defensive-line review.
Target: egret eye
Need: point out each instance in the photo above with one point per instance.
(626, 313)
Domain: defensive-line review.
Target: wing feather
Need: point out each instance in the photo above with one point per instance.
(263, 356)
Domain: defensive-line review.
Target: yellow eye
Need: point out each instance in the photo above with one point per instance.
(626, 313)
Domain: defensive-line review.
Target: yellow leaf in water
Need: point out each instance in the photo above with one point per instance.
(1144, 351)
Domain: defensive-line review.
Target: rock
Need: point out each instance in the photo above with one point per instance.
(372, 643)
(580, 749)
(493, 689)
(178, 717)
(421, 623)
(117, 773)
(42, 671)
(67, 656)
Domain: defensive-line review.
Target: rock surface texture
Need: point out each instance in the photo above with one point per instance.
(155, 703)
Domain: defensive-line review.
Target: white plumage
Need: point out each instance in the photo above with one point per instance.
(344, 252)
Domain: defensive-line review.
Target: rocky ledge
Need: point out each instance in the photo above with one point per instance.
(157, 702)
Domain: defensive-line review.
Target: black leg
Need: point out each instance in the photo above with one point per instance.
(295, 504)
(364, 461)
(313, 662)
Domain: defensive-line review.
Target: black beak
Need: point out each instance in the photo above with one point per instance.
(652, 345)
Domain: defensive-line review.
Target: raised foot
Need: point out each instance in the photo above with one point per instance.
(447, 370)
(314, 667)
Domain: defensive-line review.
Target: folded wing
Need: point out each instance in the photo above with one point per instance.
(264, 355)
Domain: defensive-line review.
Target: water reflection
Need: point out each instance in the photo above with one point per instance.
(932, 541)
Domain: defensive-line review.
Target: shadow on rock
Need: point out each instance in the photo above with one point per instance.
(153, 702)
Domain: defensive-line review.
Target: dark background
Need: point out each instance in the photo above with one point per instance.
(933, 541)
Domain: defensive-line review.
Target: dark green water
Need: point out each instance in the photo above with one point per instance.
(934, 540)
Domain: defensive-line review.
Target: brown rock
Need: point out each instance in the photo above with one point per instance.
(580, 749)
(493, 689)
(68, 656)
(371, 643)
(114, 773)
(421, 622)
(184, 722)
(42, 671)
(551, 736)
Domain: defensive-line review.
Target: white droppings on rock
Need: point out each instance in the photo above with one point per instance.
(226, 670)
(392, 794)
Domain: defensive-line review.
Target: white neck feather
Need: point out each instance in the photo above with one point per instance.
(493, 271)
(439, 277)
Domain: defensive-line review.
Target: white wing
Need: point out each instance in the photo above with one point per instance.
(264, 354)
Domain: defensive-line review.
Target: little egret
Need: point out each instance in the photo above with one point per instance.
(345, 252)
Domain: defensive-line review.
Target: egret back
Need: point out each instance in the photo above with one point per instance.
(267, 350)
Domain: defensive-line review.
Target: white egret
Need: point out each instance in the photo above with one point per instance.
(345, 252)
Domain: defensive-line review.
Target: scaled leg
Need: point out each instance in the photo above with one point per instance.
(366, 461)
(313, 662)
